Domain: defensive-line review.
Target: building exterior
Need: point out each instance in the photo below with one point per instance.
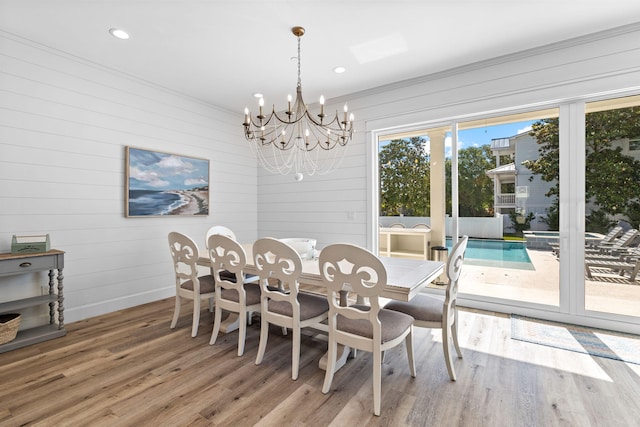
(516, 188)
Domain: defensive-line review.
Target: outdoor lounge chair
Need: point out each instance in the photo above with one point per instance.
(613, 234)
(624, 254)
(629, 238)
(620, 266)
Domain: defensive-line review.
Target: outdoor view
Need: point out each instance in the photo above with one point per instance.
(508, 197)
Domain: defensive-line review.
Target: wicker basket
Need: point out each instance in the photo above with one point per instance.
(9, 324)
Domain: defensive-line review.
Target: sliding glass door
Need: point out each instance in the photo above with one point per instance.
(612, 213)
(499, 196)
(537, 192)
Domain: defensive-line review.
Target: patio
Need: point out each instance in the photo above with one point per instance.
(606, 292)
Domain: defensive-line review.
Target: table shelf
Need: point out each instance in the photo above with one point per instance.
(17, 264)
(405, 242)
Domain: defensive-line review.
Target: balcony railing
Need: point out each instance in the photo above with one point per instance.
(506, 199)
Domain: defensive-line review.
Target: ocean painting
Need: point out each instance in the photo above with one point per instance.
(160, 184)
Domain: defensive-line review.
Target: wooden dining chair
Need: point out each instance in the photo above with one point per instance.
(365, 327)
(219, 229)
(189, 285)
(228, 261)
(285, 306)
(431, 312)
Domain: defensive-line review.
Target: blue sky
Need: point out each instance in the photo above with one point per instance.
(483, 135)
(151, 170)
(480, 136)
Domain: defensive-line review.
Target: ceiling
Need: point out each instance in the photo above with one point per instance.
(221, 52)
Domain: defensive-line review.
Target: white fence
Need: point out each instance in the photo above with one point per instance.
(482, 228)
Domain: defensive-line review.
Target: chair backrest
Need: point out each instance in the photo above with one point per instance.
(613, 233)
(219, 229)
(344, 266)
(453, 269)
(184, 253)
(227, 256)
(628, 238)
(277, 260)
(397, 225)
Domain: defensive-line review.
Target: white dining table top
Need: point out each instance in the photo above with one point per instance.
(405, 277)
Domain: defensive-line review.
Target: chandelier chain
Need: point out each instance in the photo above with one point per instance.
(299, 78)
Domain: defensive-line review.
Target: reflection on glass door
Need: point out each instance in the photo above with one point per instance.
(612, 212)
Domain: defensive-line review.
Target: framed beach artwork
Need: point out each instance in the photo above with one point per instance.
(163, 184)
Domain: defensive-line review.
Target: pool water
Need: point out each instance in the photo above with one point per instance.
(497, 253)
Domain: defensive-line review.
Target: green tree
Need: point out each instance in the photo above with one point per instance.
(404, 178)
(612, 179)
(475, 188)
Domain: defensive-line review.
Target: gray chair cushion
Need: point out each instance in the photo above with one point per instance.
(393, 324)
(253, 294)
(206, 284)
(422, 307)
(310, 306)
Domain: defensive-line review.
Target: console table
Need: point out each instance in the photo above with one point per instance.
(14, 264)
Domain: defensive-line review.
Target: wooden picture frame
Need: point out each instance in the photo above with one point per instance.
(164, 184)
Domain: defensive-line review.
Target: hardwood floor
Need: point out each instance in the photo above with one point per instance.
(129, 368)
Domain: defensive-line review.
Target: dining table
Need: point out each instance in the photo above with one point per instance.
(405, 279)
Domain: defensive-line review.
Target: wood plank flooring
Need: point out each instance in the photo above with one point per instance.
(129, 369)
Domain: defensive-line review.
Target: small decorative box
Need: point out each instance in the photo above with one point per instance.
(30, 244)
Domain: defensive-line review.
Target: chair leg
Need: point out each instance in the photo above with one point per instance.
(332, 355)
(264, 335)
(210, 305)
(217, 318)
(446, 345)
(176, 312)
(196, 316)
(377, 381)
(242, 331)
(454, 335)
(250, 318)
(409, 344)
(295, 353)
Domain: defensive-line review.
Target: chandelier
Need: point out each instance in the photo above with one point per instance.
(295, 140)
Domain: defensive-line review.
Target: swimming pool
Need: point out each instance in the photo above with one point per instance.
(497, 253)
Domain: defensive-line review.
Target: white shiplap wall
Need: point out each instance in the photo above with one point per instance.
(64, 125)
(337, 207)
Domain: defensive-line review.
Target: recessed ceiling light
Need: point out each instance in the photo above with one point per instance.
(257, 95)
(339, 70)
(119, 34)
